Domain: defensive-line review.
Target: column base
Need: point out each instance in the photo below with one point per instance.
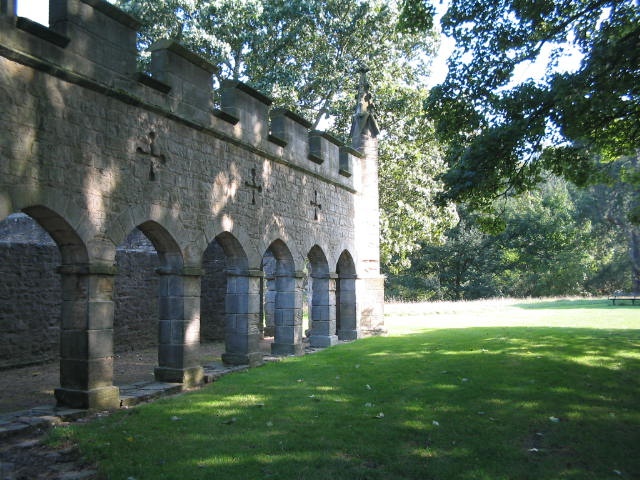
(189, 377)
(348, 335)
(103, 398)
(321, 341)
(287, 349)
(252, 359)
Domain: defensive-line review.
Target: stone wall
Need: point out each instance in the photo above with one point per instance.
(92, 149)
(30, 294)
(214, 289)
(135, 300)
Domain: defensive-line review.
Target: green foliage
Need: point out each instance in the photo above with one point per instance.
(555, 240)
(410, 162)
(488, 401)
(501, 132)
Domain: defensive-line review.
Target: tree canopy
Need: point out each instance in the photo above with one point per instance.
(502, 132)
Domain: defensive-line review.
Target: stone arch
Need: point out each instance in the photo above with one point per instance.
(46, 202)
(161, 228)
(323, 300)
(169, 251)
(240, 309)
(239, 241)
(72, 248)
(275, 233)
(86, 326)
(178, 299)
(346, 317)
(288, 301)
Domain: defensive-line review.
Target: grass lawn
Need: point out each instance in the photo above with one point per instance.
(475, 390)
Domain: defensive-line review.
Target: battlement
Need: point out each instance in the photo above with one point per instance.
(91, 43)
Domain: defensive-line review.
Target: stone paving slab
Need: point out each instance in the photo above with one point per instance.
(45, 416)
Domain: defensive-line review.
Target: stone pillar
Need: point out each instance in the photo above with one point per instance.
(86, 338)
(179, 327)
(347, 321)
(288, 315)
(242, 309)
(9, 7)
(323, 311)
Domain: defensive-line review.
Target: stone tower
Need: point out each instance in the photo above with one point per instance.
(364, 138)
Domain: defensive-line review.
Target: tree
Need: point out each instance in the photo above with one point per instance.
(410, 163)
(557, 239)
(608, 206)
(305, 53)
(502, 133)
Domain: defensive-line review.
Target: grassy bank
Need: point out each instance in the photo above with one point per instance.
(480, 390)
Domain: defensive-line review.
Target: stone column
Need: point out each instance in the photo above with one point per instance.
(242, 311)
(86, 338)
(9, 7)
(179, 327)
(348, 324)
(288, 315)
(323, 311)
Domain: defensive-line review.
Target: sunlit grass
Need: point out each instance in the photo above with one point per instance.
(541, 397)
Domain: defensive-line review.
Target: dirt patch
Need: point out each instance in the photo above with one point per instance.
(28, 387)
(27, 457)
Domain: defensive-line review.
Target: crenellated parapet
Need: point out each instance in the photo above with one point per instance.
(93, 44)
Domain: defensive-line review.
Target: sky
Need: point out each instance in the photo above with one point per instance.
(36, 10)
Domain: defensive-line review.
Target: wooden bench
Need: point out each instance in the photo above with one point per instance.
(624, 297)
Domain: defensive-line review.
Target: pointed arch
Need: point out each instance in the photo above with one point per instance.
(72, 249)
(287, 302)
(346, 317)
(322, 312)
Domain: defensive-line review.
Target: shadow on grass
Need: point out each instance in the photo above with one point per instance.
(477, 403)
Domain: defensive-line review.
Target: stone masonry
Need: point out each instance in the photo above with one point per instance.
(92, 150)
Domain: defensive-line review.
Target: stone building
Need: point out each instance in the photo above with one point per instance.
(158, 204)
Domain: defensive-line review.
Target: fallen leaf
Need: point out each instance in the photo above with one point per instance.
(435, 423)
(368, 387)
(554, 419)
(380, 415)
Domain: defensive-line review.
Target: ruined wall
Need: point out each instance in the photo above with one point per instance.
(93, 149)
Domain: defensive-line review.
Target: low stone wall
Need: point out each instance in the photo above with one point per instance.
(214, 289)
(135, 300)
(30, 293)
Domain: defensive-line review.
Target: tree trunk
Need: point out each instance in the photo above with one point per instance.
(634, 256)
